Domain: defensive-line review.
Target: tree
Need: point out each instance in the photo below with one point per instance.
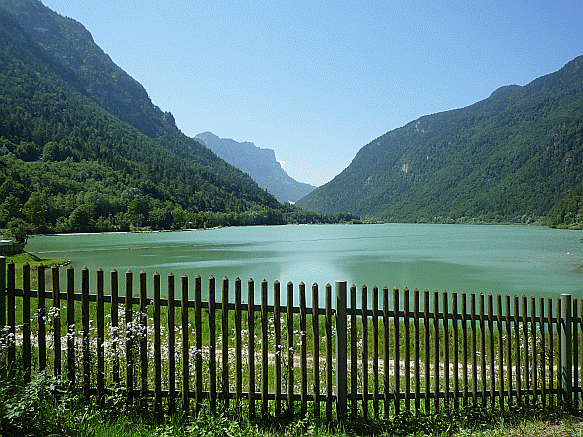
(19, 231)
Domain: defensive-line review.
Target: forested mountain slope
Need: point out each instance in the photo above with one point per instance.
(85, 149)
(509, 158)
(260, 164)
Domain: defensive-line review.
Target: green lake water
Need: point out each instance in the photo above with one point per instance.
(527, 260)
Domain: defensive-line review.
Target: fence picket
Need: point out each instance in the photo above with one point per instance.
(212, 345)
(456, 361)
(551, 358)
(329, 399)
(353, 353)
(416, 341)
(464, 310)
(86, 340)
(500, 350)
(386, 356)
(250, 346)
(508, 348)
(436, 373)
(198, 342)
(491, 351)
(143, 334)
(396, 350)
(114, 325)
(575, 348)
(364, 359)
(129, 330)
(11, 310)
(426, 345)
(157, 345)
(238, 345)
(185, 343)
(42, 312)
(225, 341)
(375, 347)
(525, 346)
(71, 326)
(474, 347)
(517, 357)
(483, 387)
(26, 346)
(316, 348)
(290, 348)
(446, 367)
(171, 342)
(100, 318)
(303, 352)
(264, 350)
(534, 349)
(2, 291)
(406, 326)
(543, 358)
(278, 348)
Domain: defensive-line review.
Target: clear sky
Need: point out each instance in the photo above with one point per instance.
(317, 80)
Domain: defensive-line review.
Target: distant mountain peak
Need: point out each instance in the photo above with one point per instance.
(261, 164)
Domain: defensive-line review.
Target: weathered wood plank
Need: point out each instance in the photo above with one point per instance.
(143, 334)
(212, 344)
(290, 348)
(26, 341)
(225, 341)
(86, 338)
(185, 392)
(171, 341)
(198, 378)
(364, 359)
(42, 312)
(329, 365)
(251, 346)
(375, 348)
(303, 352)
(278, 348)
(114, 313)
(100, 317)
(71, 326)
(353, 353)
(316, 348)
(157, 345)
(264, 350)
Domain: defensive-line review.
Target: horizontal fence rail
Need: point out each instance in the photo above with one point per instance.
(402, 351)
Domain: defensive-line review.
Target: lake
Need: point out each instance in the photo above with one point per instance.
(529, 260)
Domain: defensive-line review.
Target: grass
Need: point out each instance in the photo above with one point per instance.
(34, 261)
(41, 409)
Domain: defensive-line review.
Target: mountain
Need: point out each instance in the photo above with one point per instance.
(86, 150)
(509, 158)
(260, 164)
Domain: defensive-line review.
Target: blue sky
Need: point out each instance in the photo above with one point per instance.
(317, 80)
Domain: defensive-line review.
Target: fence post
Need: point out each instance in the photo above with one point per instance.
(341, 350)
(566, 350)
(2, 291)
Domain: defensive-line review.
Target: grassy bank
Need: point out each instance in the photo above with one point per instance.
(21, 258)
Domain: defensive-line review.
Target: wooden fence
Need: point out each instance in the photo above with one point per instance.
(8, 249)
(399, 351)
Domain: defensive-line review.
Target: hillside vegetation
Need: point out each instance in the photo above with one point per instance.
(509, 158)
(85, 149)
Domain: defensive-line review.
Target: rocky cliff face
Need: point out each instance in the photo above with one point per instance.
(260, 164)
